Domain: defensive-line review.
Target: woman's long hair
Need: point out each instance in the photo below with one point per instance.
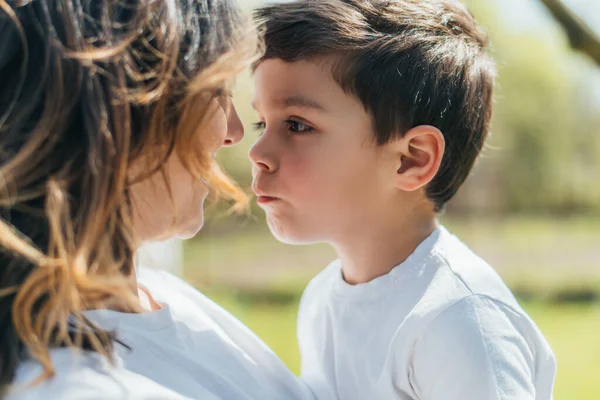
(86, 88)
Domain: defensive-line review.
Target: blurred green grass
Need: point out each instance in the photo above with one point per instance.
(553, 265)
(538, 257)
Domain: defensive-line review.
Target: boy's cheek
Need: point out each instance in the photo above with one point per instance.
(320, 183)
(300, 171)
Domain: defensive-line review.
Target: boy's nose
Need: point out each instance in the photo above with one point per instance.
(262, 158)
(235, 128)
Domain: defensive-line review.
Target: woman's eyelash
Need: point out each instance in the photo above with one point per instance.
(222, 93)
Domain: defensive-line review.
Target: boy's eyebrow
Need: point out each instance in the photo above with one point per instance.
(297, 101)
(301, 101)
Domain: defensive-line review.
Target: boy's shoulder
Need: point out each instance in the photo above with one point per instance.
(466, 316)
(455, 261)
(453, 275)
(466, 299)
(494, 348)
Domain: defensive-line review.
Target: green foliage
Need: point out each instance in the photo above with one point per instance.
(544, 152)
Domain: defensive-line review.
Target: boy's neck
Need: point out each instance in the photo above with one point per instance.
(368, 254)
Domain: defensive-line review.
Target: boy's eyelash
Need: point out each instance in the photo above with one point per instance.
(292, 126)
(259, 127)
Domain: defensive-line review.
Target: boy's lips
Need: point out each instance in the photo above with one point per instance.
(263, 197)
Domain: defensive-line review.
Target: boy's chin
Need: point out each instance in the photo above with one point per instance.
(289, 235)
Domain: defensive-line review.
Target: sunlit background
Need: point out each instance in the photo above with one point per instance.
(531, 209)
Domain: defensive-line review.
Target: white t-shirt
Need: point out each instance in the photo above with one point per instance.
(86, 376)
(191, 348)
(440, 326)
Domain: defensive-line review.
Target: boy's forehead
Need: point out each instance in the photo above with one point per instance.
(293, 100)
(301, 83)
(292, 73)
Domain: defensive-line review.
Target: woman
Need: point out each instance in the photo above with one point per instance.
(110, 116)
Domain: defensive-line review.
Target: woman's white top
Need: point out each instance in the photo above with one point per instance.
(191, 348)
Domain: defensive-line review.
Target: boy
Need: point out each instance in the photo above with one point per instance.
(372, 115)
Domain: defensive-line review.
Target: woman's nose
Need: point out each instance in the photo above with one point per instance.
(235, 128)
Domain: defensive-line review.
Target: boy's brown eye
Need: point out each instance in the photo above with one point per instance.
(298, 127)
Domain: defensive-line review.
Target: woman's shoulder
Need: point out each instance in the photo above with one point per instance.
(172, 290)
(84, 375)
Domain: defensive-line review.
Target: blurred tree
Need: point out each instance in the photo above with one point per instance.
(581, 36)
(543, 155)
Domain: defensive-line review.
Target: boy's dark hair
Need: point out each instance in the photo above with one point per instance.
(410, 63)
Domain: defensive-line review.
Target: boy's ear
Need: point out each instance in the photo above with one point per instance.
(419, 155)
